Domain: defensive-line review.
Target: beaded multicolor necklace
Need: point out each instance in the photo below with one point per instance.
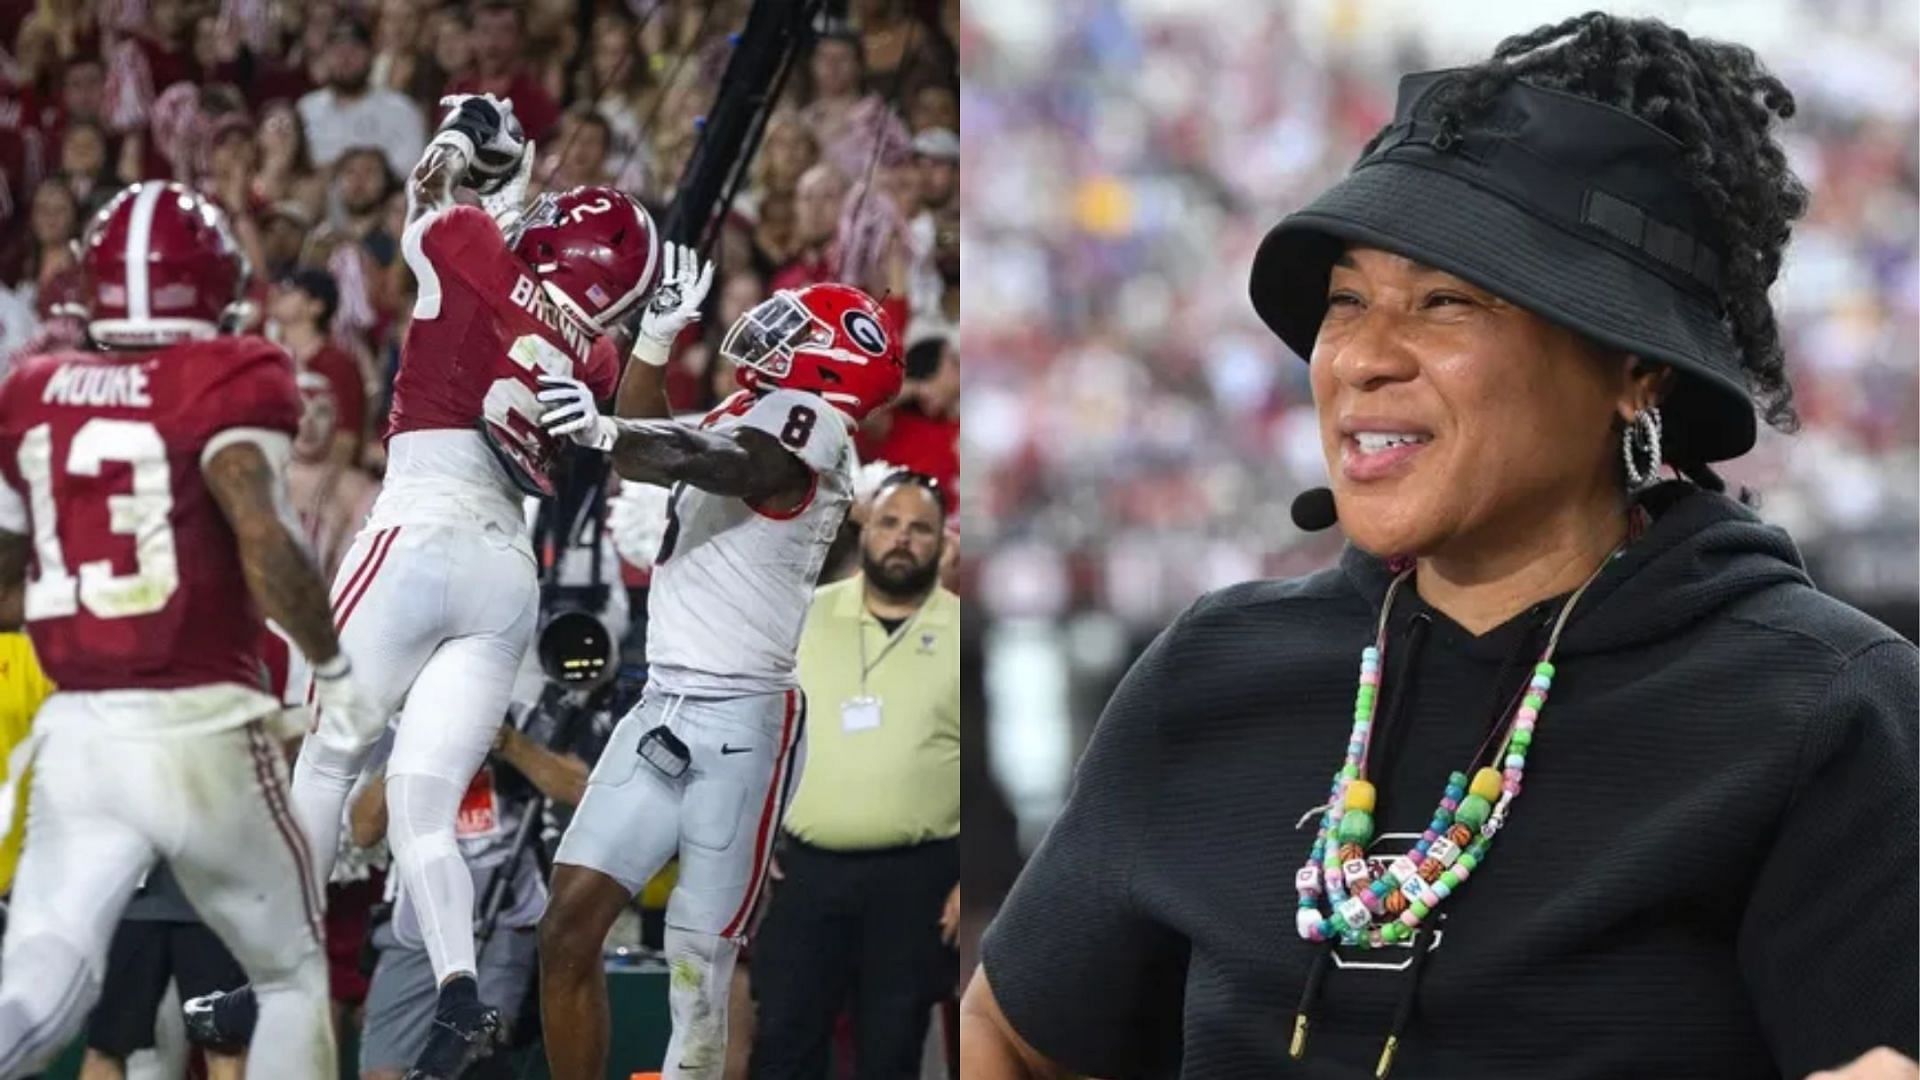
(1376, 912)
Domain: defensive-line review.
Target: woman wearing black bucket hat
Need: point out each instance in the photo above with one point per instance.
(1619, 793)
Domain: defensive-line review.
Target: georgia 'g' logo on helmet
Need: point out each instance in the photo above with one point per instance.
(864, 331)
(827, 339)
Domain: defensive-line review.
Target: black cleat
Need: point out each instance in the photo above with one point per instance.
(464, 1031)
(223, 1020)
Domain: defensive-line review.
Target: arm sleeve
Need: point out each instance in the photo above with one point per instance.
(1083, 974)
(812, 429)
(1827, 945)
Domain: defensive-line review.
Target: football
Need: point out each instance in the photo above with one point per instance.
(493, 165)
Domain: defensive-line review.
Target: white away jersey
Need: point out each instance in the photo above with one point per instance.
(732, 584)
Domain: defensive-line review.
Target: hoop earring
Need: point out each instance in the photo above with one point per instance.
(1642, 433)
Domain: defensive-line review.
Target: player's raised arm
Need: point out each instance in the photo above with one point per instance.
(478, 142)
(685, 279)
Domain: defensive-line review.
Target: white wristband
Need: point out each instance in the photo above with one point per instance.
(651, 351)
(336, 668)
(457, 141)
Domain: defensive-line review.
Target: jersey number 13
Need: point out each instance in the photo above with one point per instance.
(142, 515)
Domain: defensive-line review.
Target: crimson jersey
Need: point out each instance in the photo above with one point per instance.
(482, 332)
(135, 580)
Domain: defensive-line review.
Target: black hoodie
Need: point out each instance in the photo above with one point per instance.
(1711, 870)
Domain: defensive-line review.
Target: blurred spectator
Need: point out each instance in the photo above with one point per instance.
(300, 308)
(232, 157)
(451, 44)
(787, 151)
(774, 230)
(578, 155)
(933, 291)
(936, 158)
(57, 32)
(922, 431)
(309, 28)
(332, 499)
(403, 61)
(42, 250)
(361, 184)
(617, 81)
(83, 95)
(22, 149)
(158, 54)
(499, 27)
(817, 204)
(85, 166)
(360, 245)
(894, 42)
(549, 44)
(286, 170)
(350, 111)
(846, 123)
(283, 236)
(934, 105)
(875, 249)
(866, 906)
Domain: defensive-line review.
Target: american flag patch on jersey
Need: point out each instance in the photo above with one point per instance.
(598, 295)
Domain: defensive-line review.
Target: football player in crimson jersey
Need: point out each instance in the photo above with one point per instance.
(144, 531)
(704, 765)
(440, 593)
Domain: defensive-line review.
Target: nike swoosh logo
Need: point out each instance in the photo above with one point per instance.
(725, 749)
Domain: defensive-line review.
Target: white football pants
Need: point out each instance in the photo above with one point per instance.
(721, 817)
(103, 805)
(435, 619)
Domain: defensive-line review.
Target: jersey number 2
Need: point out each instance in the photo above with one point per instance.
(143, 515)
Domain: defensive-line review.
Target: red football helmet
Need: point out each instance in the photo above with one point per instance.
(161, 266)
(595, 250)
(830, 340)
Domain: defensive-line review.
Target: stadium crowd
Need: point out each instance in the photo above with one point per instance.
(1129, 411)
(302, 121)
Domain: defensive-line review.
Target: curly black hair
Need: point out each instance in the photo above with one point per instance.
(1720, 103)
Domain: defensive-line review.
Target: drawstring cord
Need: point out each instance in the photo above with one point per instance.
(1422, 945)
(1395, 705)
(1308, 997)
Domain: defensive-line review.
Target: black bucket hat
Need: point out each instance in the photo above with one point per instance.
(1574, 210)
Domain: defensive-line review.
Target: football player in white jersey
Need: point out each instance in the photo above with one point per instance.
(704, 765)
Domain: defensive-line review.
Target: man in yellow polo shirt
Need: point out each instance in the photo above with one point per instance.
(868, 903)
